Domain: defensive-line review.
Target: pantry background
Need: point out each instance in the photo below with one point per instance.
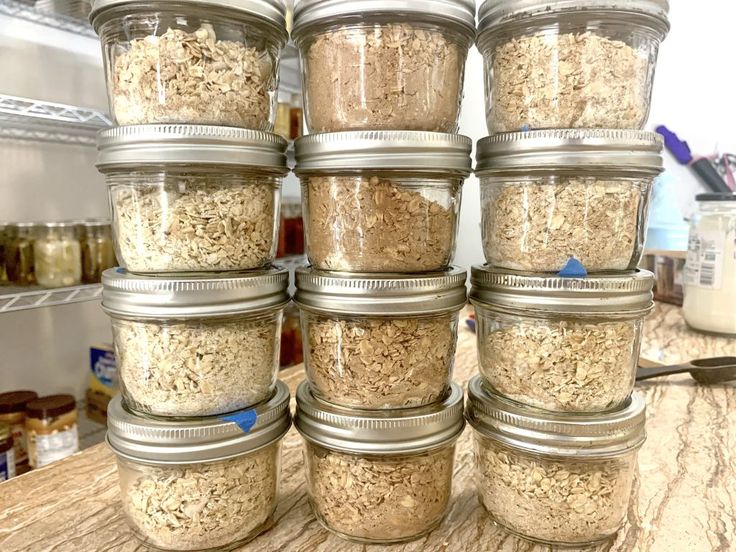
(47, 349)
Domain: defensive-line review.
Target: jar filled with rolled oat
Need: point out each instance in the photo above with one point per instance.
(393, 64)
(188, 198)
(558, 479)
(199, 347)
(379, 341)
(382, 201)
(570, 63)
(202, 484)
(211, 62)
(560, 344)
(379, 477)
(549, 196)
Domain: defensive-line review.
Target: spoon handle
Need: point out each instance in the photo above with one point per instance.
(649, 373)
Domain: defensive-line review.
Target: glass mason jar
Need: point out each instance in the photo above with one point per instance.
(193, 198)
(201, 484)
(19, 253)
(553, 64)
(97, 250)
(710, 269)
(396, 65)
(559, 343)
(196, 348)
(379, 478)
(379, 342)
(547, 196)
(382, 201)
(57, 255)
(561, 480)
(212, 63)
(4, 227)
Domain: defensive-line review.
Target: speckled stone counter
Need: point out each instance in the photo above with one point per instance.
(684, 499)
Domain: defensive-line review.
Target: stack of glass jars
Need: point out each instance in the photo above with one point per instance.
(381, 187)
(194, 175)
(565, 182)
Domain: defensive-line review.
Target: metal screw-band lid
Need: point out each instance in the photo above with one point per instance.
(380, 294)
(630, 151)
(627, 292)
(389, 150)
(181, 441)
(379, 431)
(207, 295)
(534, 430)
(459, 13)
(131, 146)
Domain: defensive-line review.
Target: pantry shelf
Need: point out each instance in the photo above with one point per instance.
(43, 15)
(28, 119)
(17, 299)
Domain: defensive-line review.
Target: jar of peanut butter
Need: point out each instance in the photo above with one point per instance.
(13, 412)
(51, 426)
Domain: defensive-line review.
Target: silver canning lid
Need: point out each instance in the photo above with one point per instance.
(407, 430)
(460, 13)
(380, 294)
(494, 13)
(126, 146)
(572, 149)
(271, 12)
(384, 149)
(499, 289)
(183, 441)
(534, 430)
(204, 296)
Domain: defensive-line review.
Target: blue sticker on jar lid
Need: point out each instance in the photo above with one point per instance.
(573, 269)
(245, 419)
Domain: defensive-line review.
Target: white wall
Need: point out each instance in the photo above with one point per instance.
(694, 96)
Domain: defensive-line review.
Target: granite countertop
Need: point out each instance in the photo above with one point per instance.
(684, 498)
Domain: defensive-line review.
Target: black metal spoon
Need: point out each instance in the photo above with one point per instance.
(708, 371)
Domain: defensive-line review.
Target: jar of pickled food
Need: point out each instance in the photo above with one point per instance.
(199, 484)
(560, 343)
(19, 253)
(57, 255)
(393, 64)
(189, 198)
(379, 478)
(3, 244)
(382, 201)
(212, 62)
(201, 347)
(548, 196)
(97, 250)
(569, 63)
(558, 479)
(51, 427)
(13, 412)
(379, 341)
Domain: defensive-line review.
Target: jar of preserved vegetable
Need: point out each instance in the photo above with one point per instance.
(547, 196)
(201, 483)
(561, 480)
(19, 253)
(97, 250)
(57, 255)
(379, 478)
(7, 453)
(13, 412)
(51, 427)
(569, 63)
(560, 344)
(3, 244)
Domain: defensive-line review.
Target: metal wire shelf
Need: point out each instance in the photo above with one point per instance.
(16, 299)
(50, 17)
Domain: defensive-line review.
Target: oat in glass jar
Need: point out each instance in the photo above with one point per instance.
(560, 344)
(379, 341)
(569, 63)
(189, 198)
(382, 201)
(210, 62)
(379, 477)
(547, 196)
(383, 65)
(199, 484)
(203, 347)
(557, 479)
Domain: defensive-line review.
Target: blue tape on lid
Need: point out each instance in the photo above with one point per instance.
(573, 269)
(245, 419)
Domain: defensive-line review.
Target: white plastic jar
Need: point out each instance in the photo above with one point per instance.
(710, 269)
(200, 484)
